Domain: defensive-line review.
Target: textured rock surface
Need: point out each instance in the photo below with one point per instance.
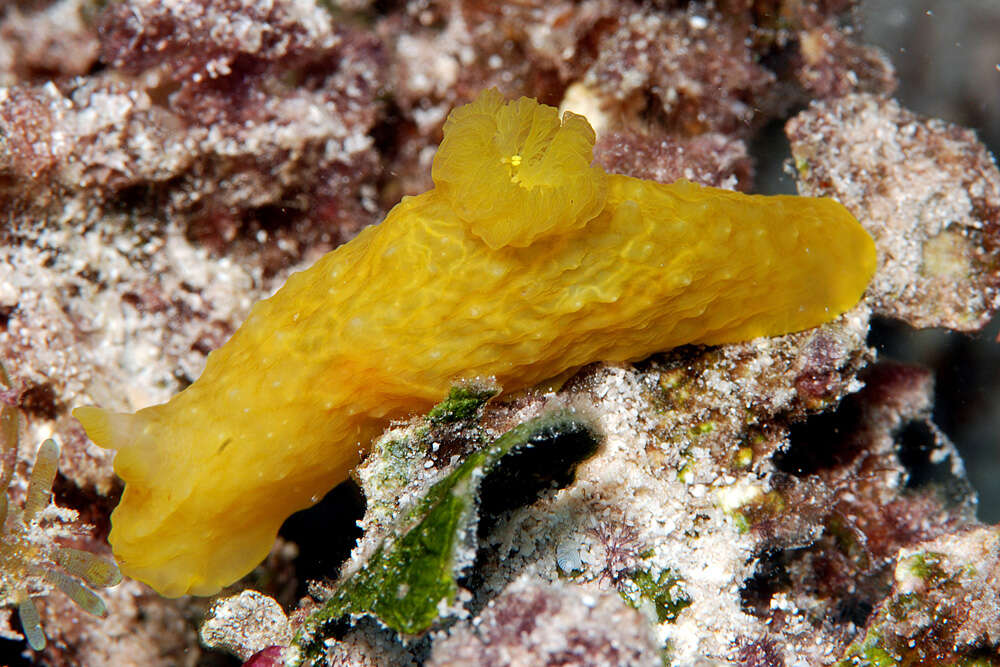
(245, 624)
(943, 606)
(42, 40)
(926, 190)
(247, 124)
(550, 624)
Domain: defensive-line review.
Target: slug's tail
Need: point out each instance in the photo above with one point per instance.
(127, 433)
(110, 430)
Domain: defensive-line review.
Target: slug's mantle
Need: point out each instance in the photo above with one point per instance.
(522, 262)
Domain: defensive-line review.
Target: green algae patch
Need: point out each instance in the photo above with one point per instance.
(743, 458)
(927, 566)
(410, 580)
(664, 593)
(868, 653)
(463, 402)
(703, 428)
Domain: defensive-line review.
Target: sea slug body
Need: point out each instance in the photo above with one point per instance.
(523, 261)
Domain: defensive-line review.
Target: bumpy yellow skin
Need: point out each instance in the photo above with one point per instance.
(524, 261)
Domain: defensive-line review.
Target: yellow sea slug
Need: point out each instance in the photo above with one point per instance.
(525, 260)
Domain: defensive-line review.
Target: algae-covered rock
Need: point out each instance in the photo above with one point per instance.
(409, 581)
(944, 608)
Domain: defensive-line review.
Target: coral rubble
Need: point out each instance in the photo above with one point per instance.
(246, 624)
(935, 208)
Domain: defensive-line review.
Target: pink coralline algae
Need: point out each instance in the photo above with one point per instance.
(244, 123)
